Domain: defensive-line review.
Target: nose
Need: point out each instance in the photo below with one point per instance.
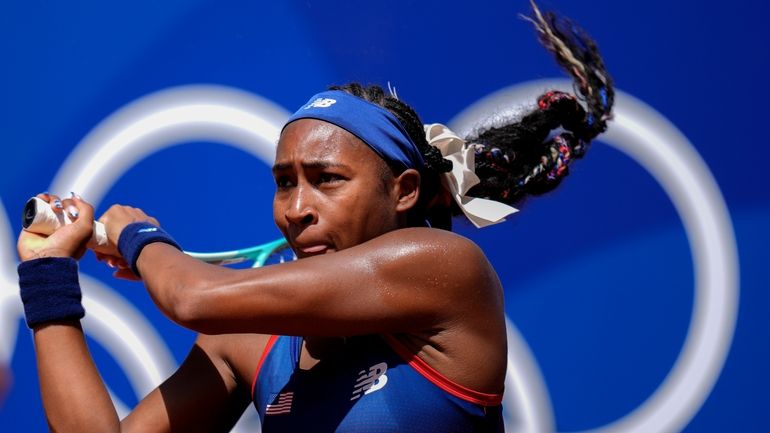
(301, 211)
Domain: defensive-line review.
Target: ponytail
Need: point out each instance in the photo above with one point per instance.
(527, 157)
(532, 156)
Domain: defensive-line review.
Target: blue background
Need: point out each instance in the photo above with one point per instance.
(598, 274)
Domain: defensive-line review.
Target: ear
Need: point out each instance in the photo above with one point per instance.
(406, 190)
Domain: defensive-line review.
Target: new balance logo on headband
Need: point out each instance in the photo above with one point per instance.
(147, 230)
(321, 103)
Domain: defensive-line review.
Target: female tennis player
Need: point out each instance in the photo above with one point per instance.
(387, 322)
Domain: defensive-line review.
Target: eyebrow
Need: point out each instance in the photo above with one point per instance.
(282, 166)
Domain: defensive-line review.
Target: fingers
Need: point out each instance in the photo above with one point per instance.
(81, 213)
(79, 209)
(75, 210)
(70, 208)
(126, 213)
(112, 261)
(59, 205)
(68, 240)
(118, 217)
(54, 200)
(126, 274)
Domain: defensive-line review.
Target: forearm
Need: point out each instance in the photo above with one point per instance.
(176, 281)
(277, 299)
(168, 273)
(74, 396)
(376, 287)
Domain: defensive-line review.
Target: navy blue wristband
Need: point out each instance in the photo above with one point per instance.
(136, 236)
(50, 290)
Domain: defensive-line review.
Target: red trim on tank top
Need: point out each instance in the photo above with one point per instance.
(439, 379)
(270, 342)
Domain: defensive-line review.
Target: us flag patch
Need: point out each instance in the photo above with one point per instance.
(281, 405)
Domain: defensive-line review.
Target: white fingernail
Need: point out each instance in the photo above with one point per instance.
(73, 211)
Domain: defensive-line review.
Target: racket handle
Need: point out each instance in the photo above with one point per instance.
(41, 219)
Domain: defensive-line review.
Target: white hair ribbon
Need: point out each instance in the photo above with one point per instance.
(482, 212)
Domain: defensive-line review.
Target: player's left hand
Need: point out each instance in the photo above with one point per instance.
(115, 220)
(119, 216)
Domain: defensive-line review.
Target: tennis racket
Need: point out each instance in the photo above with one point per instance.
(38, 217)
(276, 251)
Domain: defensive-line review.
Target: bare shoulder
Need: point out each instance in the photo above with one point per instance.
(470, 349)
(428, 240)
(439, 255)
(436, 244)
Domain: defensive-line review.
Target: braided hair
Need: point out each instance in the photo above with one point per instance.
(527, 157)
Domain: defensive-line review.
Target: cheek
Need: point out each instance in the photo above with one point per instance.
(374, 214)
(278, 213)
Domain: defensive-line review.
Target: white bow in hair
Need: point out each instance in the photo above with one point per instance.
(482, 212)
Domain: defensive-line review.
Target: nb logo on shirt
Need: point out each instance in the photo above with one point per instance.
(368, 382)
(321, 103)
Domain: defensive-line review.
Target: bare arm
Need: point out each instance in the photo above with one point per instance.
(74, 396)
(433, 288)
(402, 281)
(203, 395)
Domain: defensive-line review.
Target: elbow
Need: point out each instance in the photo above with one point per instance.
(198, 301)
(189, 311)
(183, 290)
(186, 306)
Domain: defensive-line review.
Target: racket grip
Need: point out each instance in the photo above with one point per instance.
(39, 218)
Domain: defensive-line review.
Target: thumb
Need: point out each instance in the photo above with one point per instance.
(126, 274)
(85, 215)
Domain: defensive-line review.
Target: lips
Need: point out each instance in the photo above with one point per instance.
(314, 249)
(309, 241)
(311, 248)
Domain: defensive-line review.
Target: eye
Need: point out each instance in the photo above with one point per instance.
(283, 182)
(329, 178)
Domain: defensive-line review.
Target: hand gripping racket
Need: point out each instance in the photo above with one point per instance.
(38, 217)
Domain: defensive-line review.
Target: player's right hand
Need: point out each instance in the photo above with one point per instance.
(67, 241)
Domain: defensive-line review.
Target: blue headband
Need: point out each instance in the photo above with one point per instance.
(372, 124)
